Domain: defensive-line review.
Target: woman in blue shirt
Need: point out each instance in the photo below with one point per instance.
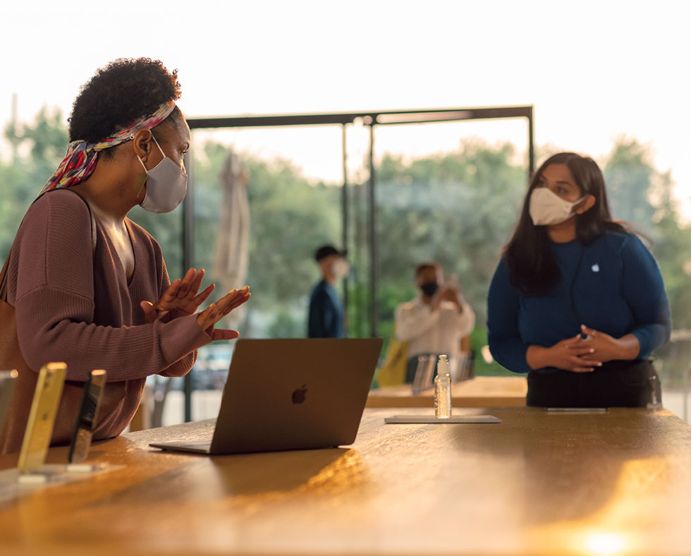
(577, 301)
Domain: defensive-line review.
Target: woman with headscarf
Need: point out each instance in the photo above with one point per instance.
(89, 287)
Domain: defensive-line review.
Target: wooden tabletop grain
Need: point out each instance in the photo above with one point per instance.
(538, 484)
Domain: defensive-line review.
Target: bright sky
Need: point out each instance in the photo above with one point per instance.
(593, 69)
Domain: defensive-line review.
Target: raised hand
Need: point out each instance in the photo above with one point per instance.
(448, 293)
(180, 299)
(208, 318)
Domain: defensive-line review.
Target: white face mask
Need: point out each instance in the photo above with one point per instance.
(340, 268)
(166, 184)
(547, 209)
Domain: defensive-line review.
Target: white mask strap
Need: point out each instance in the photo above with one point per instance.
(160, 149)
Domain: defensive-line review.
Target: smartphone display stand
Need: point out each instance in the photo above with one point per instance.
(86, 421)
(39, 426)
(31, 467)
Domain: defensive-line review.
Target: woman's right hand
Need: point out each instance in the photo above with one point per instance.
(208, 318)
(571, 354)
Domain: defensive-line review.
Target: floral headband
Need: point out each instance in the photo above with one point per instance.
(80, 160)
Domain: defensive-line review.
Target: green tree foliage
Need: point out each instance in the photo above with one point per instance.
(39, 147)
(672, 250)
(629, 177)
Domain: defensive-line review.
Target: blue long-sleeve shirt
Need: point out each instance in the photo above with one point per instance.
(326, 314)
(613, 285)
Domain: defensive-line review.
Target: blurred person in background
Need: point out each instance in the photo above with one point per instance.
(436, 321)
(326, 311)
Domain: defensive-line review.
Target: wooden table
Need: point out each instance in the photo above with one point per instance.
(538, 484)
(482, 391)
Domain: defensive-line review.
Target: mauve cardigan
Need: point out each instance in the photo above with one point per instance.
(73, 303)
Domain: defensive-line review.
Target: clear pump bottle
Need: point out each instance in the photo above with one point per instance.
(443, 389)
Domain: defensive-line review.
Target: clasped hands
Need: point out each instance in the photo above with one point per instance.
(584, 352)
(182, 299)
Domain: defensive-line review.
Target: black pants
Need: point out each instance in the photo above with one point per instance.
(616, 384)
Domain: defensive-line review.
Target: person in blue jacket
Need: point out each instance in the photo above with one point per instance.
(577, 301)
(326, 312)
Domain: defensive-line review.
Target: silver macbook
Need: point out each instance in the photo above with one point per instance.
(290, 395)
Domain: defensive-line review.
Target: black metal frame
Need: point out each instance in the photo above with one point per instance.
(371, 119)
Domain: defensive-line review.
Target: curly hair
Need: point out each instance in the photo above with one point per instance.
(121, 92)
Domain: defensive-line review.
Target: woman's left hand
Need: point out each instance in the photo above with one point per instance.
(607, 348)
(180, 299)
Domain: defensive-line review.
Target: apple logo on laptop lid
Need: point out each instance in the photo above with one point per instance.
(298, 396)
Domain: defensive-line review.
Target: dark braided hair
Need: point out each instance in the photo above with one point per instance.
(119, 94)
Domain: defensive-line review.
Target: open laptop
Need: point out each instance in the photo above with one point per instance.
(290, 395)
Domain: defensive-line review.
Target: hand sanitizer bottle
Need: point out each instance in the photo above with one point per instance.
(443, 389)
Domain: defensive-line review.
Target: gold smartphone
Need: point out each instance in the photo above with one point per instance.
(88, 413)
(44, 408)
(8, 379)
